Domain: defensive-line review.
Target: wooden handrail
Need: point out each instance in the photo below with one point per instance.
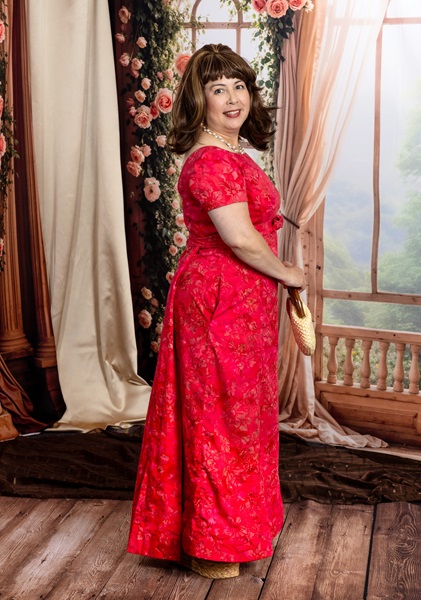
(365, 333)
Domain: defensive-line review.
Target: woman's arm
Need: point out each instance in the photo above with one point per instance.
(236, 229)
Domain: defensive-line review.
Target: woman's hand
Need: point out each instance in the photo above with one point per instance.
(294, 277)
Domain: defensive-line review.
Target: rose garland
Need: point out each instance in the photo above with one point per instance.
(152, 68)
(7, 141)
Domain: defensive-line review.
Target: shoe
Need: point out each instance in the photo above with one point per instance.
(210, 568)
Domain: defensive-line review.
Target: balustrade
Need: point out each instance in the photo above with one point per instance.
(384, 358)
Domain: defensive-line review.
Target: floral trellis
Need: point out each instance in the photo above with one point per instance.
(153, 63)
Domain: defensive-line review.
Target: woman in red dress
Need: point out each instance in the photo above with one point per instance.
(208, 485)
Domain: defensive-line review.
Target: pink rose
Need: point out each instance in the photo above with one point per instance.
(155, 302)
(154, 111)
(159, 328)
(161, 140)
(171, 170)
(180, 62)
(296, 4)
(132, 111)
(134, 73)
(2, 32)
(160, 75)
(177, 162)
(146, 293)
(169, 276)
(164, 100)
(145, 318)
(124, 14)
(169, 73)
(141, 42)
(173, 250)
(130, 102)
(137, 155)
(133, 168)
(120, 38)
(151, 189)
(155, 346)
(277, 8)
(137, 64)
(259, 5)
(175, 204)
(146, 150)
(124, 59)
(140, 96)
(145, 83)
(2, 145)
(179, 219)
(179, 239)
(142, 119)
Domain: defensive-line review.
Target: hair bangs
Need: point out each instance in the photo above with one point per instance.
(216, 65)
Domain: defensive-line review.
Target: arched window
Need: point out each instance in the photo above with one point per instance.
(213, 23)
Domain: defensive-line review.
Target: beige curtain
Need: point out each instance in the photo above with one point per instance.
(319, 79)
(75, 114)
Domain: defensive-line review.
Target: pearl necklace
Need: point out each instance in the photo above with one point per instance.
(236, 149)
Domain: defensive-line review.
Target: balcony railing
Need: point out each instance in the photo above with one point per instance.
(369, 380)
(370, 365)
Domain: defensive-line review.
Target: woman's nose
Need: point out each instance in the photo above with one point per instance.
(232, 97)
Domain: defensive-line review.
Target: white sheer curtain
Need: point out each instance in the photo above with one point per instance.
(76, 131)
(319, 79)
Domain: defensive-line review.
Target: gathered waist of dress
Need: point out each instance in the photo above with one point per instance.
(215, 241)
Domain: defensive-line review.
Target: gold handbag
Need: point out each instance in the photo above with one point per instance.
(301, 322)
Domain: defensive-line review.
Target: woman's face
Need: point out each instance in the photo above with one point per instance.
(227, 105)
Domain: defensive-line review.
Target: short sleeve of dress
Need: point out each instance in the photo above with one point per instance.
(217, 180)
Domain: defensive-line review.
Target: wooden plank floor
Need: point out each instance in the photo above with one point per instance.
(75, 549)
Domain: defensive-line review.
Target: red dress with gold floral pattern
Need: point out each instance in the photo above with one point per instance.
(208, 472)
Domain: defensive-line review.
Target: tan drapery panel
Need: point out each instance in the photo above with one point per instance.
(319, 78)
(76, 130)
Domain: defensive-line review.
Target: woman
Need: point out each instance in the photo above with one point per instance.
(208, 483)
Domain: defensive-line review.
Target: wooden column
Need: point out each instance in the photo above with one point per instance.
(12, 337)
(45, 351)
(40, 376)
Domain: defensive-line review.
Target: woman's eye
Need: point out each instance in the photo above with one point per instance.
(218, 90)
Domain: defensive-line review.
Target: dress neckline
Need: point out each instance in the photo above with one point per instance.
(211, 146)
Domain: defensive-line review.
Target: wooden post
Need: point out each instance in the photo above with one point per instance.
(365, 367)
(398, 371)
(12, 336)
(349, 363)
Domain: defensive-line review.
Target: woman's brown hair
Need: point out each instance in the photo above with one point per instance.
(210, 63)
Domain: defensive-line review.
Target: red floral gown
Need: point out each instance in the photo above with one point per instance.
(208, 472)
